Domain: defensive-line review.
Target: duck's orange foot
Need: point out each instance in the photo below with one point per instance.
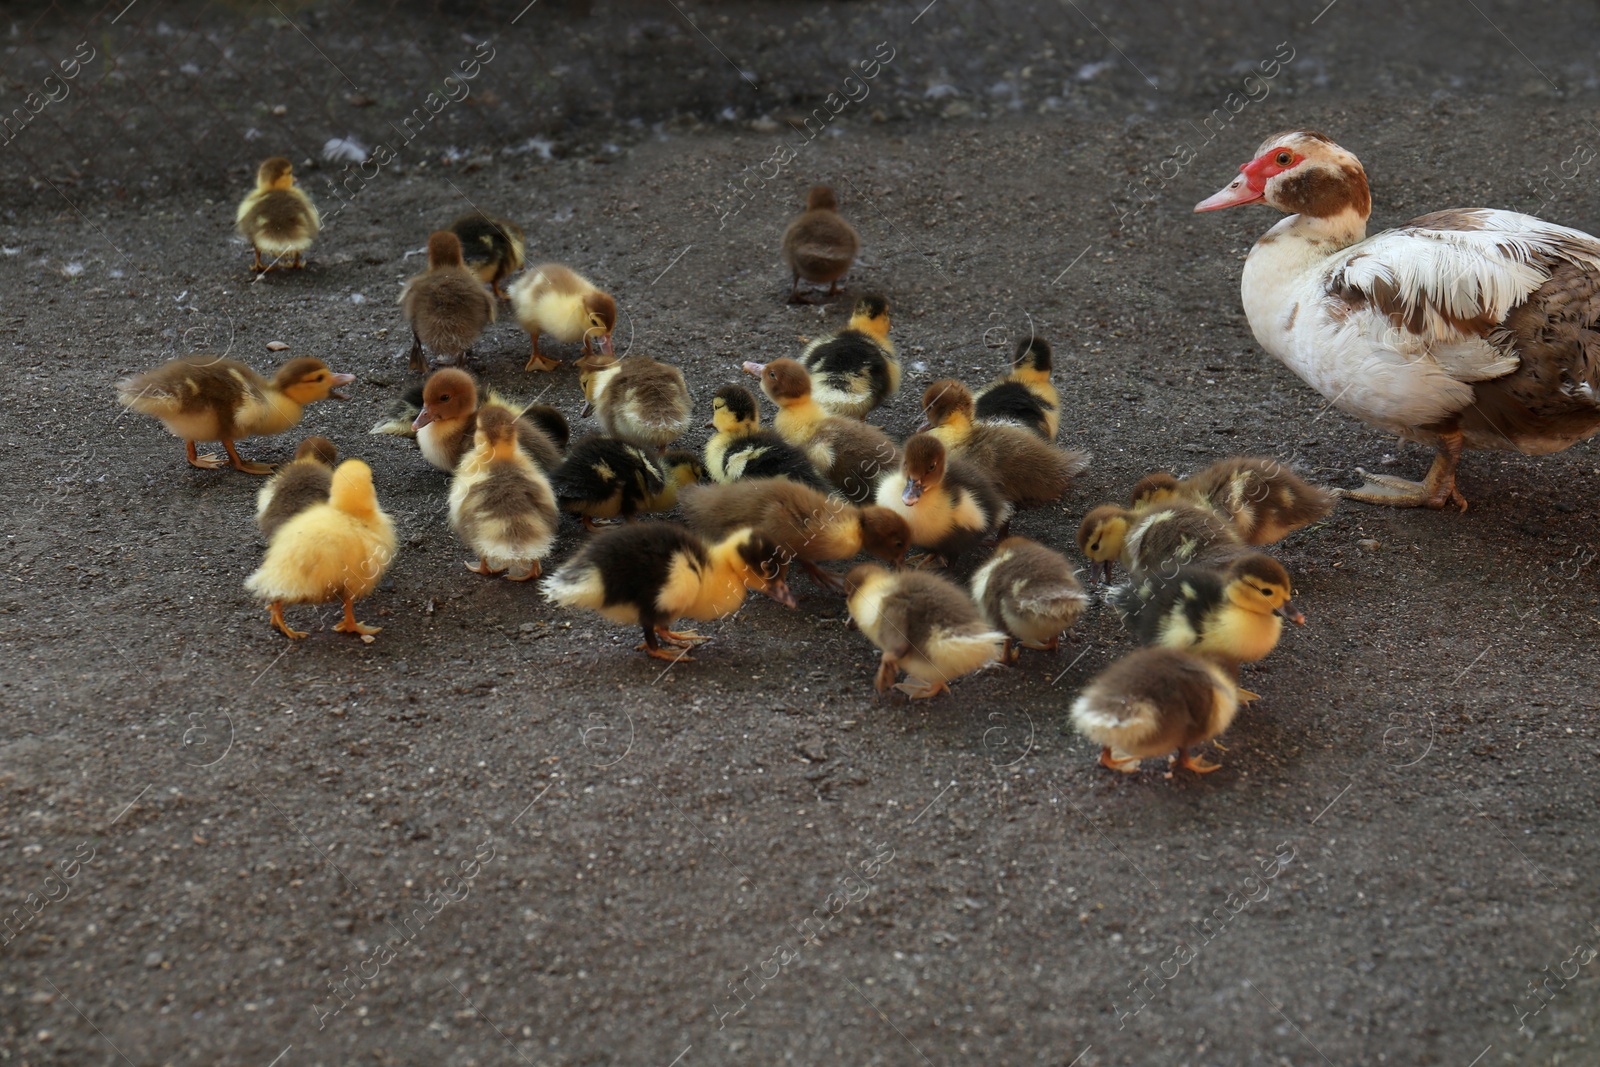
(544, 363)
(276, 614)
(1197, 764)
(920, 690)
(685, 639)
(349, 624)
(534, 570)
(681, 655)
(1124, 763)
(482, 567)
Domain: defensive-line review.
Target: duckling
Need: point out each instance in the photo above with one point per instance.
(850, 454)
(1029, 471)
(740, 448)
(1026, 397)
(491, 248)
(950, 505)
(501, 505)
(1154, 702)
(1160, 537)
(812, 527)
(650, 573)
(854, 370)
(333, 551)
(819, 246)
(448, 418)
(305, 481)
(1233, 614)
(445, 306)
(606, 478)
(924, 624)
(1157, 487)
(558, 301)
(1030, 592)
(277, 218)
(636, 399)
(1265, 500)
(203, 398)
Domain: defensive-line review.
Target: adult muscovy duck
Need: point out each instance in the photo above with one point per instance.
(1460, 329)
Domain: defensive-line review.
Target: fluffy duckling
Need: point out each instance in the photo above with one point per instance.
(650, 573)
(491, 248)
(445, 306)
(203, 398)
(277, 218)
(810, 526)
(818, 245)
(556, 300)
(501, 505)
(1155, 702)
(1156, 537)
(448, 418)
(1233, 614)
(1157, 487)
(333, 551)
(740, 448)
(1265, 500)
(305, 481)
(1030, 592)
(924, 625)
(1029, 471)
(854, 370)
(950, 506)
(1026, 397)
(850, 454)
(636, 399)
(606, 478)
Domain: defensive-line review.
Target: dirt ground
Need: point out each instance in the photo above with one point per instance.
(498, 835)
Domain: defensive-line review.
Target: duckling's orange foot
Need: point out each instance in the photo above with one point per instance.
(1197, 764)
(1124, 763)
(349, 624)
(917, 690)
(544, 363)
(482, 567)
(208, 462)
(1052, 645)
(534, 570)
(679, 656)
(276, 614)
(1011, 651)
(248, 466)
(888, 670)
(686, 639)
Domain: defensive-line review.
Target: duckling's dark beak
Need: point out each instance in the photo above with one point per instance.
(923, 427)
(585, 411)
(1292, 613)
(338, 380)
(1105, 570)
(779, 590)
(601, 344)
(424, 417)
(913, 492)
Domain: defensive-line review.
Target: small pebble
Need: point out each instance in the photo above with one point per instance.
(276, 346)
(1369, 544)
(152, 959)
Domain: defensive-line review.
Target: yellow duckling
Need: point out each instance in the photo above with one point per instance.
(854, 370)
(448, 418)
(446, 306)
(1156, 537)
(649, 573)
(500, 503)
(1262, 497)
(491, 248)
(305, 481)
(818, 245)
(558, 301)
(333, 551)
(850, 454)
(203, 398)
(1233, 614)
(636, 399)
(277, 218)
(1156, 702)
(1025, 397)
(923, 624)
(1030, 592)
(740, 448)
(950, 506)
(1029, 471)
(608, 478)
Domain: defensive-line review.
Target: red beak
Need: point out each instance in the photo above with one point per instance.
(1233, 194)
(424, 417)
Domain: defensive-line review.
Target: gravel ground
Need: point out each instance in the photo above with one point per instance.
(204, 828)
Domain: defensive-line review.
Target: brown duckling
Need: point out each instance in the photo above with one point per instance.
(650, 573)
(298, 484)
(277, 218)
(1233, 614)
(854, 370)
(491, 248)
(1265, 500)
(446, 305)
(558, 301)
(818, 245)
(1158, 537)
(1156, 702)
(501, 505)
(1030, 592)
(1025, 397)
(203, 398)
(924, 624)
(850, 454)
(448, 418)
(636, 399)
(740, 448)
(950, 505)
(1029, 471)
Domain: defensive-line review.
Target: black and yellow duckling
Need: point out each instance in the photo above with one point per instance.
(651, 573)
(304, 481)
(1030, 592)
(446, 305)
(740, 448)
(850, 454)
(1025, 397)
(924, 624)
(854, 370)
(636, 399)
(203, 398)
(1156, 537)
(449, 416)
(950, 506)
(1233, 614)
(332, 551)
(1029, 471)
(1156, 702)
(501, 504)
(811, 526)
(558, 301)
(491, 248)
(609, 478)
(277, 217)
(818, 245)
(1261, 496)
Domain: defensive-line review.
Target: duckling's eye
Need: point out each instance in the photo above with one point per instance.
(1283, 159)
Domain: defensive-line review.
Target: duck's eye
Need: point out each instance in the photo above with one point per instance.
(1283, 159)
